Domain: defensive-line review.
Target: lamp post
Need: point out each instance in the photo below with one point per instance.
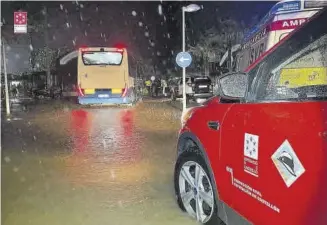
(5, 75)
(189, 8)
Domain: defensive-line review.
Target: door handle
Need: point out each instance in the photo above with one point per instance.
(214, 125)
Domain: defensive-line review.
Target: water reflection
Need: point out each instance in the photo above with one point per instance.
(130, 139)
(118, 168)
(105, 146)
(79, 131)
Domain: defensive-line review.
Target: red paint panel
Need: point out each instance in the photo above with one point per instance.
(303, 126)
(287, 24)
(271, 201)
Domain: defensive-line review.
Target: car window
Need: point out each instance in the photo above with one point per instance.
(189, 80)
(295, 70)
(202, 80)
(302, 76)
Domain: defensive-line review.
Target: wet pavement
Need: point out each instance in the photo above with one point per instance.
(64, 164)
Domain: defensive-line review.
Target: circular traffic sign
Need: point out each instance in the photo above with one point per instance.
(183, 59)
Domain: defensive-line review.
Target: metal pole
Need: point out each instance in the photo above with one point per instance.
(46, 40)
(184, 69)
(6, 77)
(230, 53)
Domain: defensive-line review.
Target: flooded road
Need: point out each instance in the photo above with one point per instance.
(66, 165)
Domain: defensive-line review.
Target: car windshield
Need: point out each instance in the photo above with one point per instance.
(302, 76)
(102, 58)
(202, 80)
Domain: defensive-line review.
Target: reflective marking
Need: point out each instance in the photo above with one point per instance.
(116, 90)
(287, 163)
(89, 91)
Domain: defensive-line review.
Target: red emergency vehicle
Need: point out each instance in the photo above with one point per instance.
(282, 19)
(257, 153)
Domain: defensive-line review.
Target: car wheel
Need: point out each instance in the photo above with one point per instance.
(194, 189)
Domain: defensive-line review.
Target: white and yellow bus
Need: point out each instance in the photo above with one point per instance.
(103, 76)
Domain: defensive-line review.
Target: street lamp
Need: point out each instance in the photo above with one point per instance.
(189, 8)
(5, 74)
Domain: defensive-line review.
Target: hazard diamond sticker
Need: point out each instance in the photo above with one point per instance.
(287, 163)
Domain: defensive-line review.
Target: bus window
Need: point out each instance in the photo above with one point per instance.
(102, 58)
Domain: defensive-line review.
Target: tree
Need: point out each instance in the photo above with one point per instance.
(216, 41)
(43, 57)
(142, 66)
(39, 55)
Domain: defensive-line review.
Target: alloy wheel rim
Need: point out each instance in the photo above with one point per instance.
(196, 191)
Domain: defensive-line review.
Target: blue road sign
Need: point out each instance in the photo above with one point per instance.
(183, 59)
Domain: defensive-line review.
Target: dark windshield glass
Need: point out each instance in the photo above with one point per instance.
(204, 80)
(302, 76)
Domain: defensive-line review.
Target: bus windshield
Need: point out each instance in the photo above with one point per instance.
(102, 58)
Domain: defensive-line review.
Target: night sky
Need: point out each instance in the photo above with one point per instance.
(151, 30)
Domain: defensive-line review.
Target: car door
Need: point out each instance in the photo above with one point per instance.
(272, 155)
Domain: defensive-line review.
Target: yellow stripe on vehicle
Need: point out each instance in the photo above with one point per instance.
(301, 77)
(89, 91)
(116, 90)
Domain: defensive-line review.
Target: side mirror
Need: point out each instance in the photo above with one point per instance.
(233, 85)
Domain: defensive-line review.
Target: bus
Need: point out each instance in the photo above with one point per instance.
(103, 76)
(284, 17)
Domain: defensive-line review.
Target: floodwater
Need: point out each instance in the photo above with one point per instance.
(70, 165)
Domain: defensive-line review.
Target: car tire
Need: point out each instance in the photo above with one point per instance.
(188, 160)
